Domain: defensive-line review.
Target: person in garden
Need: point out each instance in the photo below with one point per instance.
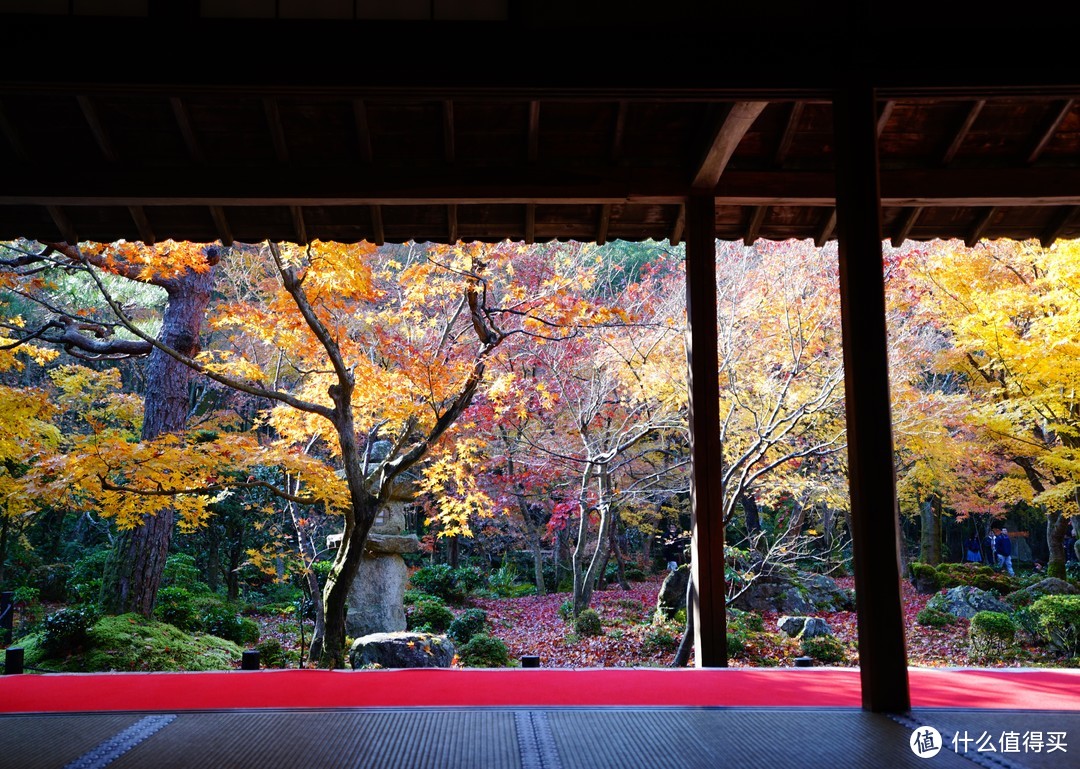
(674, 545)
(1003, 547)
(973, 552)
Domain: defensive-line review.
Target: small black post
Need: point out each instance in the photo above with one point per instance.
(530, 661)
(804, 662)
(13, 661)
(7, 616)
(250, 660)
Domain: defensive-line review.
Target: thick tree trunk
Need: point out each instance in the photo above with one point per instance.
(584, 583)
(930, 538)
(1057, 526)
(616, 549)
(751, 514)
(137, 561)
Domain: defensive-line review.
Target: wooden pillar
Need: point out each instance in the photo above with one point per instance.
(706, 501)
(872, 478)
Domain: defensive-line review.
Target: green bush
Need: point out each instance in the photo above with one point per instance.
(468, 624)
(416, 596)
(659, 640)
(934, 618)
(271, 653)
(990, 634)
(429, 617)
(588, 623)
(175, 606)
(635, 574)
(736, 643)
(484, 651)
(503, 580)
(68, 630)
(53, 581)
(1057, 618)
(451, 585)
(566, 611)
(222, 621)
(825, 648)
(181, 571)
(982, 577)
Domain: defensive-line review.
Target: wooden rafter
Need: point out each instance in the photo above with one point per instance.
(979, 228)
(221, 224)
(449, 138)
(603, 224)
(791, 127)
(753, 227)
(618, 132)
(679, 228)
(962, 131)
(884, 115)
(63, 223)
(299, 226)
(142, 222)
(452, 223)
(97, 128)
(1057, 225)
(1049, 125)
(826, 228)
(363, 132)
(530, 223)
(533, 132)
(377, 230)
(187, 130)
(904, 225)
(277, 129)
(726, 136)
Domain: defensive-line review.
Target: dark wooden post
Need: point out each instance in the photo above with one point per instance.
(872, 478)
(706, 501)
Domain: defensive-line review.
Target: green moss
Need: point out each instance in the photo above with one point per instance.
(132, 642)
(934, 618)
(827, 649)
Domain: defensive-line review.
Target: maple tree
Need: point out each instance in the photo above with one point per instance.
(1010, 314)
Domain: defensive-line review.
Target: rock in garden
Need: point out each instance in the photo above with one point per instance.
(1032, 593)
(797, 593)
(815, 627)
(790, 626)
(672, 595)
(401, 650)
(966, 601)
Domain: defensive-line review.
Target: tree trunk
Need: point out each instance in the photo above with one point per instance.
(584, 583)
(682, 655)
(620, 558)
(1057, 525)
(538, 563)
(930, 537)
(137, 561)
(751, 514)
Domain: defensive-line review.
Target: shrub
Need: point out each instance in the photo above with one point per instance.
(53, 580)
(451, 585)
(1057, 618)
(588, 623)
(991, 633)
(468, 624)
(982, 577)
(222, 621)
(934, 618)
(483, 651)
(659, 640)
(271, 654)
(175, 606)
(430, 617)
(68, 630)
(825, 648)
(635, 574)
(502, 581)
(566, 611)
(181, 571)
(416, 596)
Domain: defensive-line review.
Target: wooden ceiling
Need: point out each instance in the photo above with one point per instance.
(206, 130)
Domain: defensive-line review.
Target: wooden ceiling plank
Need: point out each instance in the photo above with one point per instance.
(187, 130)
(1057, 225)
(299, 226)
(1056, 113)
(884, 115)
(826, 229)
(725, 139)
(142, 222)
(363, 131)
(11, 133)
(962, 131)
(533, 148)
(788, 137)
(530, 223)
(452, 223)
(679, 228)
(979, 227)
(63, 224)
(97, 128)
(753, 228)
(618, 133)
(221, 224)
(449, 139)
(904, 226)
(277, 129)
(604, 224)
(377, 230)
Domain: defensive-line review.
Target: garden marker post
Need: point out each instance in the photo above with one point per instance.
(871, 474)
(706, 493)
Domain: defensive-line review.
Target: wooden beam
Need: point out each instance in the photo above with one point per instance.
(962, 131)
(187, 130)
(872, 480)
(826, 228)
(11, 133)
(377, 231)
(221, 224)
(1057, 225)
(979, 227)
(299, 225)
(603, 224)
(706, 460)
(884, 115)
(753, 227)
(142, 222)
(726, 136)
(63, 224)
(97, 128)
(449, 138)
(533, 132)
(790, 129)
(277, 129)
(530, 223)
(618, 133)
(363, 132)
(904, 225)
(1049, 125)
(679, 227)
(452, 223)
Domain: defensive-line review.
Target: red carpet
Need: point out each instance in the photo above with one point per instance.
(736, 687)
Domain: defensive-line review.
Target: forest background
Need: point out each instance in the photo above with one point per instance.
(185, 415)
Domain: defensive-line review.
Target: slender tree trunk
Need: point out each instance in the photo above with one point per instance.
(5, 526)
(620, 558)
(584, 584)
(682, 655)
(137, 561)
(538, 563)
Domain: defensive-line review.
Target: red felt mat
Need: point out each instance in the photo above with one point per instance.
(737, 687)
